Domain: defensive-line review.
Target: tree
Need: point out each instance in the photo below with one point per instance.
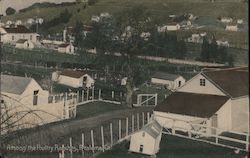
(78, 34)
(10, 11)
(205, 52)
(213, 50)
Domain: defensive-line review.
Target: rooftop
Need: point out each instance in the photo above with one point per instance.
(14, 84)
(192, 104)
(72, 73)
(18, 29)
(165, 76)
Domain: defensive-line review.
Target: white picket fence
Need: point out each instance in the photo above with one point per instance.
(200, 133)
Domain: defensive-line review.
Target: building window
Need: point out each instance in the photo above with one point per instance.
(202, 82)
(31, 37)
(13, 38)
(35, 97)
(179, 83)
(143, 134)
(141, 148)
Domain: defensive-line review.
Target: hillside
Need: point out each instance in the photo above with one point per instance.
(159, 8)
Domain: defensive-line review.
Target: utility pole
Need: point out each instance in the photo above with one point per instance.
(0, 95)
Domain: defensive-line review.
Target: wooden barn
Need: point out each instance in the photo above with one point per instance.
(147, 141)
(171, 81)
(215, 97)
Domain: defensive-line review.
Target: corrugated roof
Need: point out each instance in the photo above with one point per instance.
(72, 73)
(18, 29)
(153, 129)
(192, 104)
(235, 82)
(14, 84)
(165, 76)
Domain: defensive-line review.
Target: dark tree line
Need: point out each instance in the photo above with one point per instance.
(211, 52)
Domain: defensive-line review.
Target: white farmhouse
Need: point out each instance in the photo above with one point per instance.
(162, 28)
(66, 48)
(24, 44)
(232, 28)
(222, 43)
(95, 18)
(239, 21)
(15, 33)
(216, 98)
(75, 79)
(171, 81)
(27, 103)
(147, 141)
(173, 27)
(226, 20)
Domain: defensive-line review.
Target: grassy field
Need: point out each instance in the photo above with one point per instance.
(174, 147)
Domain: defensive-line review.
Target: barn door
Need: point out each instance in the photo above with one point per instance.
(214, 123)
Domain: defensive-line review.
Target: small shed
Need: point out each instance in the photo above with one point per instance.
(24, 44)
(66, 48)
(147, 141)
(171, 81)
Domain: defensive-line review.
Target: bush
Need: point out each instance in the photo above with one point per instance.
(92, 2)
(10, 11)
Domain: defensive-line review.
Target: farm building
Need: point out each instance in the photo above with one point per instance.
(232, 28)
(15, 33)
(24, 44)
(75, 79)
(66, 48)
(173, 27)
(147, 140)
(171, 81)
(209, 98)
(26, 105)
(226, 20)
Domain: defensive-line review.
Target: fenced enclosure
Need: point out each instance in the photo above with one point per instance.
(212, 135)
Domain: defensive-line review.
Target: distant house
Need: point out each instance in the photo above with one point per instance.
(226, 20)
(210, 99)
(240, 21)
(105, 14)
(87, 29)
(171, 81)
(124, 81)
(27, 105)
(66, 48)
(162, 28)
(222, 43)
(18, 22)
(173, 26)
(147, 140)
(24, 44)
(145, 35)
(9, 22)
(232, 27)
(95, 18)
(15, 33)
(75, 79)
(195, 38)
(30, 21)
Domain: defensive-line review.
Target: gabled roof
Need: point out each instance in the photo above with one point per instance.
(14, 84)
(165, 76)
(18, 29)
(72, 73)
(192, 104)
(233, 82)
(21, 41)
(153, 129)
(64, 45)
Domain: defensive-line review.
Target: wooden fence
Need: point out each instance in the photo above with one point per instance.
(221, 137)
(104, 138)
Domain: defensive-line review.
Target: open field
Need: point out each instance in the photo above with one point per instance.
(174, 147)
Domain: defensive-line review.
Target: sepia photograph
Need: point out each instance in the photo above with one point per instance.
(124, 79)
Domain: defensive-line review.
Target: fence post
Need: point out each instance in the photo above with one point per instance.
(93, 93)
(133, 123)
(112, 94)
(87, 94)
(77, 97)
(138, 99)
(82, 95)
(127, 126)
(99, 94)
(173, 128)
(156, 99)
(111, 135)
(189, 134)
(148, 116)
(142, 118)
(63, 151)
(138, 122)
(120, 130)
(83, 144)
(102, 138)
(92, 141)
(247, 142)
(70, 144)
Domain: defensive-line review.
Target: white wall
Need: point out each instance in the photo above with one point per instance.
(193, 86)
(147, 141)
(7, 38)
(69, 49)
(25, 45)
(89, 82)
(69, 81)
(240, 114)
